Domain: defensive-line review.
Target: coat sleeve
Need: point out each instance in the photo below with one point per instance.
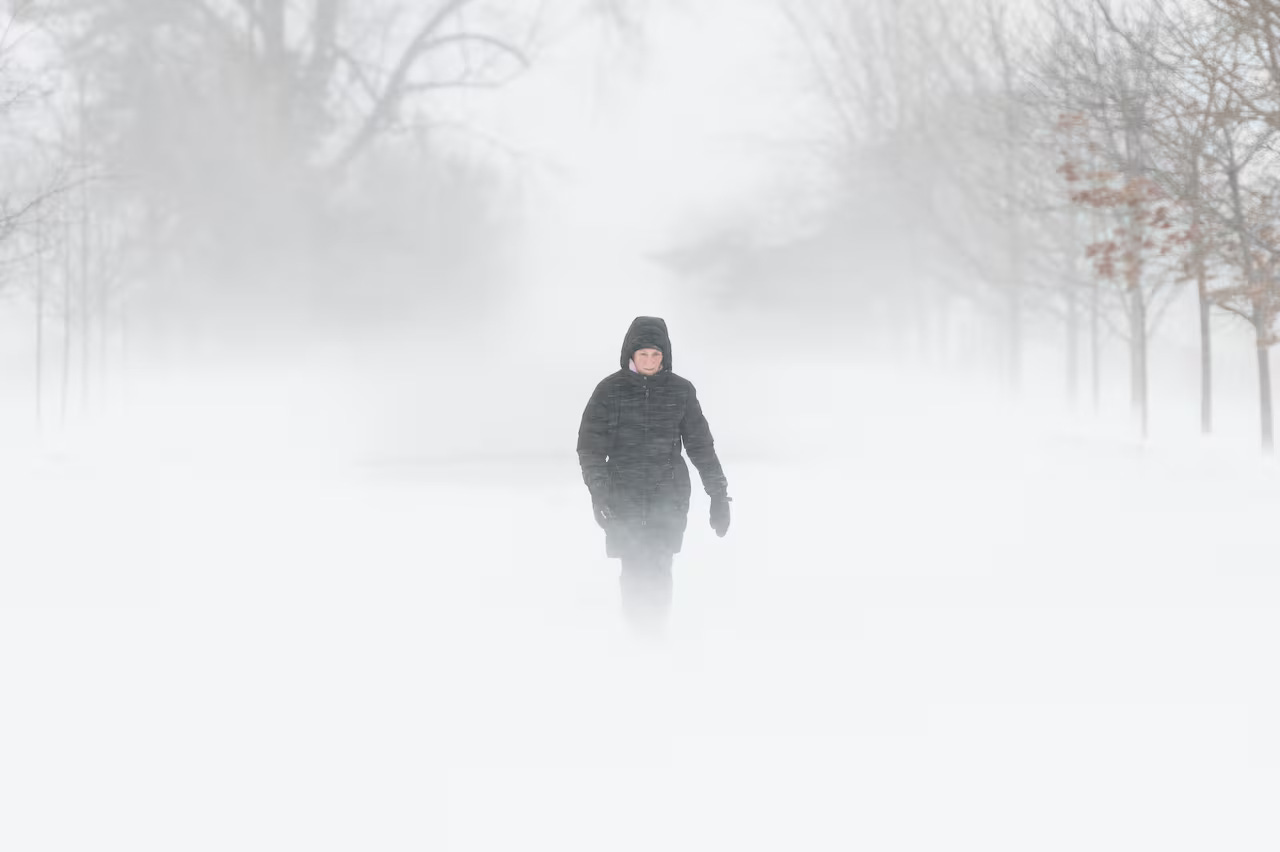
(593, 441)
(698, 443)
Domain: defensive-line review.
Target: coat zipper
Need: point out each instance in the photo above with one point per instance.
(644, 517)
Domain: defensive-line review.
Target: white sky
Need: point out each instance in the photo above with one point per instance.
(623, 152)
(637, 144)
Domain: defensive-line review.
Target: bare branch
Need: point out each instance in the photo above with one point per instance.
(391, 93)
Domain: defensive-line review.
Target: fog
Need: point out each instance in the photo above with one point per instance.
(298, 551)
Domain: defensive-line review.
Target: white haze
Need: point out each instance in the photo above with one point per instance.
(347, 593)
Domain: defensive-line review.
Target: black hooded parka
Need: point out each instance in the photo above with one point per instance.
(629, 447)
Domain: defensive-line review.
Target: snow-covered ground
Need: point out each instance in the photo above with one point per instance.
(928, 628)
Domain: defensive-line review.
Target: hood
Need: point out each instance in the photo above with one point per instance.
(646, 330)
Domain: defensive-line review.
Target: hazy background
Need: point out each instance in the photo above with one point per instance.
(301, 303)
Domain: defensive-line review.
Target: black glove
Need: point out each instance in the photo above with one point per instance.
(602, 511)
(720, 513)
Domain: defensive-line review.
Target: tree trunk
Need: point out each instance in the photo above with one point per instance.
(1138, 358)
(1202, 288)
(1264, 380)
(86, 314)
(40, 321)
(271, 14)
(1095, 340)
(1072, 295)
(1206, 359)
(1015, 339)
(68, 278)
(1073, 346)
(324, 49)
(1012, 212)
(1264, 397)
(104, 312)
(1136, 302)
(277, 120)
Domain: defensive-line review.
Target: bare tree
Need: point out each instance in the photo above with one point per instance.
(1116, 84)
(1215, 135)
(246, 117)
(1253, 217)
(890, 76)
(1244, 131)
(1255, 24)
(1196, 57)
(15, 88)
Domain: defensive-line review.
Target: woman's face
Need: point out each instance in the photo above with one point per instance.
(648, 361)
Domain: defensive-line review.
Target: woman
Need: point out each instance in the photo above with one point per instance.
(629, 447)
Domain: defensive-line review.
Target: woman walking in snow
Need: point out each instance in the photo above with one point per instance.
(629, 447)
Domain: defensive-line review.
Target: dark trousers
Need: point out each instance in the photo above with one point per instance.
(646, 590)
